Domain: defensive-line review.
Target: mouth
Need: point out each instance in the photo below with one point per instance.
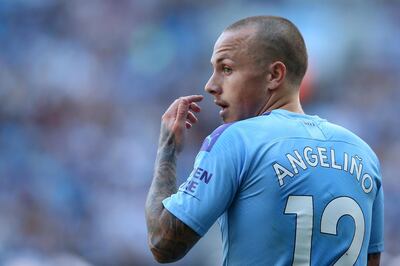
(223, 106)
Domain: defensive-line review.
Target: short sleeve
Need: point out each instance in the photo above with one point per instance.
(376, 240)
(212, 185)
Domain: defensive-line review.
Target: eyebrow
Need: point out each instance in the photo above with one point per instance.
(223, 57)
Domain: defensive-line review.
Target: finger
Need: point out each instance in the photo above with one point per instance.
(194, 107)
(183, 105)
(191, 117)
(183, 108)
(193, 98)
(188, 125)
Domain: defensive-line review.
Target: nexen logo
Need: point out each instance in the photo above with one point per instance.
(191, 184)
(202, 174)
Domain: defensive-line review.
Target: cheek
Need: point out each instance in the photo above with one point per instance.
(235, 88)
(248, 99)
(243, 90)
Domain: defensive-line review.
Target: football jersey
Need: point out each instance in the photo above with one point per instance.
(286, 189)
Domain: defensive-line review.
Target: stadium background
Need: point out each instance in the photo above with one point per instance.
(83, 85)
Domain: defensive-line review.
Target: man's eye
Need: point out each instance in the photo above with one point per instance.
(227, 70)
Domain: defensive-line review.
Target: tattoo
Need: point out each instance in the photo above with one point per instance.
(164, 180)
(169, 238)
(177, 239)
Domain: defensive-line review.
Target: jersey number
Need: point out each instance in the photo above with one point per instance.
(302, 206)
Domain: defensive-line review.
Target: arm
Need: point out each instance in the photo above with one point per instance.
(169, 239)
(374, 259)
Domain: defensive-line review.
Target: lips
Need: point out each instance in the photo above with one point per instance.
(221, 104)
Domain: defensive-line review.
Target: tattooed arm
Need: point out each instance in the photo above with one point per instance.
(170, 239)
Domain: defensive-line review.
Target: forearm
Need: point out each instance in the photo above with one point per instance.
(164, 180)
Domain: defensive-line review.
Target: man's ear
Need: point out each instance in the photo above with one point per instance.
(276, 74)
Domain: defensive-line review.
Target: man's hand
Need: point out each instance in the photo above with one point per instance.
(179, 116)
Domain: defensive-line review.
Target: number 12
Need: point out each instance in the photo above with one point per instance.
(302, 206)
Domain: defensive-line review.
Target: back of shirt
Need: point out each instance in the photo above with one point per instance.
(289, 189)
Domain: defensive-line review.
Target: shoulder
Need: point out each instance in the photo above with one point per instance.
(221, 136)
(338, 132)
(239, 133)
(222, 149)
(212, 139)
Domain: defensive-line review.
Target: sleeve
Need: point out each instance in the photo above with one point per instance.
(213, 183)
(376, 240)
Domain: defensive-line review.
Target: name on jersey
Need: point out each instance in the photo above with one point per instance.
(323, 157)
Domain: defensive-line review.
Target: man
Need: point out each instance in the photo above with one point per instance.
(286, 188)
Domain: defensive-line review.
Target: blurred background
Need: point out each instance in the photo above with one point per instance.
(83, 85)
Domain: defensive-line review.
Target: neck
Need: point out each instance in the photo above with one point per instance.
(289, 102)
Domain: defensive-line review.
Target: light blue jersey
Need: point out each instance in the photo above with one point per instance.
(287, 189)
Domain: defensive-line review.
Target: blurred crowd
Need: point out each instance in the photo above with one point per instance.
(83, 85)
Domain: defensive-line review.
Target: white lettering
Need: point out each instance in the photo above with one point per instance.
(371, 184)
(299, 161)
(322, 156)
(358, 168)
(333, 161)
(346, 162)
(313, 156)
(281, 173)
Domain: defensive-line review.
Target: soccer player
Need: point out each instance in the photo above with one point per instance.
(286, 188)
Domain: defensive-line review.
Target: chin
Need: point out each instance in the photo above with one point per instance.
(225, 120)
(229, 119)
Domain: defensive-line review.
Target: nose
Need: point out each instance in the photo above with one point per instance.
(213, 87)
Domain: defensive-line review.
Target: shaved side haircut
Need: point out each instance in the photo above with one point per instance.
(276, 39)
